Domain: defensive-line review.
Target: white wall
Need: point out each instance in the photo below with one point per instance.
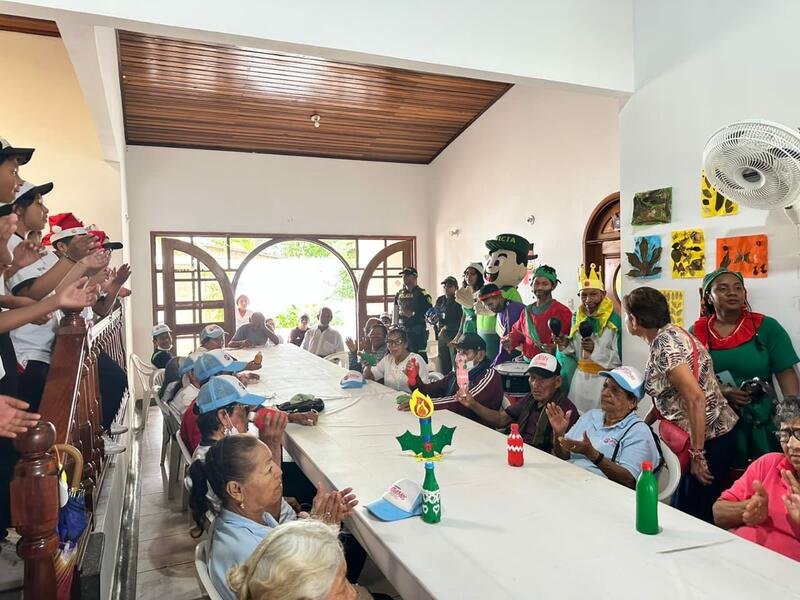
(553, 154)
(202, 190)
(699, 66)
(43, 107)
(582, 42)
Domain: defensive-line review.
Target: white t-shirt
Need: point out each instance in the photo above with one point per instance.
(393, 373)
(32, 342)
(182, 400)
(323, 342)
(242, 320)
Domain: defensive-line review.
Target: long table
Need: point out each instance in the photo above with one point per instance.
(545, 530)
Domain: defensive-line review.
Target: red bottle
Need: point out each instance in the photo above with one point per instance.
(516, 447)
(412, 370)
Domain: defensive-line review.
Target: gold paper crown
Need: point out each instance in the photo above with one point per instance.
(591, 281)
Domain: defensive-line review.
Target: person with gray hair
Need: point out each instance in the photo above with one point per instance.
(763, 505)
(301, 560)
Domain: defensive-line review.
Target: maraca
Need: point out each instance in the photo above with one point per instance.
(462, 375)
(586, 329)
(260, 414)
(554, 325)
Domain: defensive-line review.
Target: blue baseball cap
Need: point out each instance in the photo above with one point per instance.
(188, 362)
(223, 390)
(402, 500)
(215, 362)
(628, 378)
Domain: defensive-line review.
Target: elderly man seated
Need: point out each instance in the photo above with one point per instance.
(544, 379)
(256, 333)
(763, 505)
(611, 441)
(485, 384)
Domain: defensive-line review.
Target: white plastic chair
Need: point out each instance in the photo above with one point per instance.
(144, 374)
(182, 470)
(201, 566)
(670, 474)
(435, 376)
(340, 358)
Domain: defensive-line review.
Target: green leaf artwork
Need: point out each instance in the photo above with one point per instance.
(653, 207)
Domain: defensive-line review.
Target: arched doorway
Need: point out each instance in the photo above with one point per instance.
(285, 278)
(601, 244)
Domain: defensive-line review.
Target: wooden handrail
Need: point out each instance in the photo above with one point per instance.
(71, 410)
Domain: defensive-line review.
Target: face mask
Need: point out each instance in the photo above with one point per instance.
(230, 430)
(469, 364)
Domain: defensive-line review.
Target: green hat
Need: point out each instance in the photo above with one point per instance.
(511, 241)
(547, 272)
(709, 279)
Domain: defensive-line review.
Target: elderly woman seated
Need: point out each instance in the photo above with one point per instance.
(242, 474)
(611, 441)
(302, 560)
(763, 505)
(395, 366)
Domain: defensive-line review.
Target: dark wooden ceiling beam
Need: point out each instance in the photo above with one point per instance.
(29, 25)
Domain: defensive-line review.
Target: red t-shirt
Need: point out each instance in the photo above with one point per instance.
(777, 532)
(189, 432)
(519, 332)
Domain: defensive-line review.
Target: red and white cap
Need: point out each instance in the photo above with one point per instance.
(402, 500)
(628, 378)
(544, 365)
(62, 226)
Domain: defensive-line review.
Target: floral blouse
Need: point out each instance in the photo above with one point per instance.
(670, 348)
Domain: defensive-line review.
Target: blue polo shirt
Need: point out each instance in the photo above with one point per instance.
(637, 444)
(233, 540)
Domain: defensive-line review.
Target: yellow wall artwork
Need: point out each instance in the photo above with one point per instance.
(675, 301)
(688, 254)
(712, 203)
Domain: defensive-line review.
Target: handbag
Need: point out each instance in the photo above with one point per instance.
(675, 437)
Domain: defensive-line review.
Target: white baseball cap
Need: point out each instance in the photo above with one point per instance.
(160, 328)
(402, 500)
(212, 332)
(628, 378)
(544, 365)
(353, 379)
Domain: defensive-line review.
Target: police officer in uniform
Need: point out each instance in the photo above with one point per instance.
(410, 305)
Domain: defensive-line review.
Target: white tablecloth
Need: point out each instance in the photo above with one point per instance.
(546, 530)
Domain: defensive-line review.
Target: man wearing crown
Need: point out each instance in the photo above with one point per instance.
(594, 340)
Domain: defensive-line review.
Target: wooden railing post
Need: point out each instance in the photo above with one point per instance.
(34, 508)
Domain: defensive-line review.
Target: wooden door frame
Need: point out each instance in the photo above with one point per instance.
(168, 246)
(598, 215)
(362, 299)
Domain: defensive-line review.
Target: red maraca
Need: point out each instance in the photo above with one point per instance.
(261, 414)
(412, 370)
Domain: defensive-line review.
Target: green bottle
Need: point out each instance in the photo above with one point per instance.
(647, 500)
(431, 500)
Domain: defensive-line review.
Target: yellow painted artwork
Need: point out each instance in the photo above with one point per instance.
(675, 301)
(688, 254)
(712, 203)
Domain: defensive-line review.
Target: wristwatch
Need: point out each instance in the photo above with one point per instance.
(599, 459)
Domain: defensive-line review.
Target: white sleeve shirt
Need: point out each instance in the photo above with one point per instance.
(323, 342)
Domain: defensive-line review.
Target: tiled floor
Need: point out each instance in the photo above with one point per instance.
(165, 566)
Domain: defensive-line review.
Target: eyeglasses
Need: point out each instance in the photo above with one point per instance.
(394, 343)
(783, 435)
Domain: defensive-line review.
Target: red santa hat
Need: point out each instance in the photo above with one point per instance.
(62, 226)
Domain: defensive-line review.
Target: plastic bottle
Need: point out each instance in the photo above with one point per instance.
(516, 447)
(258, 358)
(431, 499)
(412, 370)
(647, 500)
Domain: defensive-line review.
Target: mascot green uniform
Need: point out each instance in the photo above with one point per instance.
(506, 266)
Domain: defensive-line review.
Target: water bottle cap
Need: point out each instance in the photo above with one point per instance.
(429, 465)
(515, 428)
(647, 465)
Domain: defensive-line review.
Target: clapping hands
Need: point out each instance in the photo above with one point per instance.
(333, 507)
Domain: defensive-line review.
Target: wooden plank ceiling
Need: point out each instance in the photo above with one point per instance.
(29, 25)
(190, 94)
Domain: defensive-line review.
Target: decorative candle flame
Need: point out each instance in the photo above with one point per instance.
(421, 405)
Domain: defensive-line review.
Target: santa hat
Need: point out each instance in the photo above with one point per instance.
(104, 240)
(62, 226)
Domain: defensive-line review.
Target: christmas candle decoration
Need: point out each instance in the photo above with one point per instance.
(425, 446)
